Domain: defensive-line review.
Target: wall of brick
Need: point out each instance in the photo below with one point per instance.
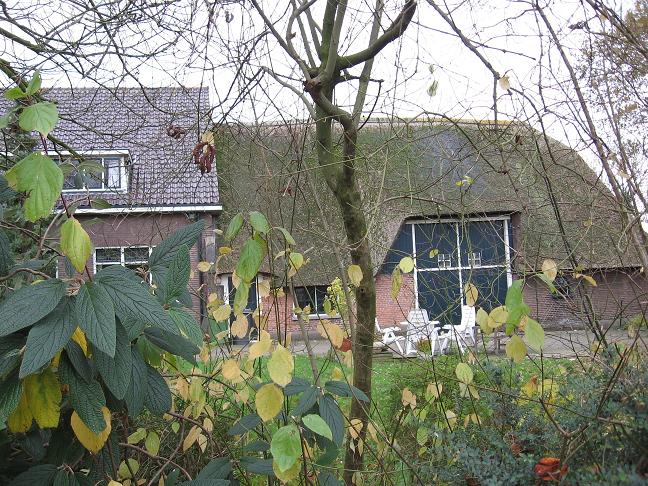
(617, 297)
(147, 230)
(390, 312)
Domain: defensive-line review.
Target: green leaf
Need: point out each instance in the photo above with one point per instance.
(464, 373)
(259, 222)
(187, 325)
(87, 398)
(34, 84)
(342, 389)
(152, 443)
(75, 354)
(158, 396)
(116, 372)
(245, 424)
(241, 297)
(534, 334)
(48, 337)
(233, 227)
(40, 117)
(75, 243)
(15, 93)
(218, 468)
(164, 253)
(250, 260)
(515, 303)
(177, 277)
(287, 236)
(6, 256)
(18, 310)
(10, 391)
(330, 412)
(42, 179)
(306, 401)
(138, 387)
(99, 203)
(10, 353)
(317, 425)
(515, 349)
(286, 447)
(96, 314)
(5, 120)
(132, 300)
(256, 465)
(42, 474)
(172, 343)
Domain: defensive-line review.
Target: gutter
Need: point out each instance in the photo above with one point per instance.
(213, 208)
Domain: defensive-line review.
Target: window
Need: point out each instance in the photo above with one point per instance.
(313, 295)
(444, 260)
(96, 173)
(474, 259)
(133, 257)
(563, 288)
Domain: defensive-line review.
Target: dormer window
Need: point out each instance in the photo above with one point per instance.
(96, 172)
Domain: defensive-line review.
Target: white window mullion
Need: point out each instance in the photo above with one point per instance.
(416, 296)
(459, 266)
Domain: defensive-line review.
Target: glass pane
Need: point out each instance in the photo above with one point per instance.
(401, 247)
(92, 180)
(101, 266)
(484, 239)
(252, 296)
(434, 240)
(113, 172)
(320, 296)
(136, 254)
(438, 293)
(305, 296)
(110, 255)
(492, 284)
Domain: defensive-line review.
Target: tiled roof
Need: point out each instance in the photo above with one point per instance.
(162, 172)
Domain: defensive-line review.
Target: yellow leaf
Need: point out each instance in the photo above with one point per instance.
(75, 243)
(191, 437)
(281, 366)
(236, 280)
(433, 390)
(212, 298)
(79, 337)
(497, 317)
(21, 419)
(354, 428)
(263, 288)
(269, 400)
(224, 250)
(504, 83)
(355, 274)
(470, 294)
(152, 443)
(406, 264)
(204, 266)
(43, 393)
(182, 387)
(408, 399)
(196, 388)
(482, 321)
(550, 269)
(208, 425)
(516, 349)
(239, 327)
(296, 260)
(204, 353)
(242, 396)
(451, 417)
(261, 347)
(347, 359)
(337, 374)
(590, 280)
(115, 483)
(91, 441)
(396, 283)
(231, 370)
(332, 332)
(289, 474)
(222, 313)
(124, 470)
(202, 442)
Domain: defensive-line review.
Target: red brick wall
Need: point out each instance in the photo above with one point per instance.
(618, 296)
(143, 230)
(389, 311)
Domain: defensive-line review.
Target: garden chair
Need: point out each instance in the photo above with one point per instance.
(460, 333)
(419, 328)
(388, 337)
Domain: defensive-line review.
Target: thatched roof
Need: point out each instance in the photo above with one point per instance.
(412, 170)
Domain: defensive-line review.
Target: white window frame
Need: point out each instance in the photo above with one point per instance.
(474, 259)
(122, 155)
(122, 258)
(444, 260)
(312, 315)
(456, 222)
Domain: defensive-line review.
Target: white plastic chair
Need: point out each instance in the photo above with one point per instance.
(461, 333)
(420, 328)
(389, 337)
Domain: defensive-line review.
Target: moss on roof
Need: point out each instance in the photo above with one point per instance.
(415, 169)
